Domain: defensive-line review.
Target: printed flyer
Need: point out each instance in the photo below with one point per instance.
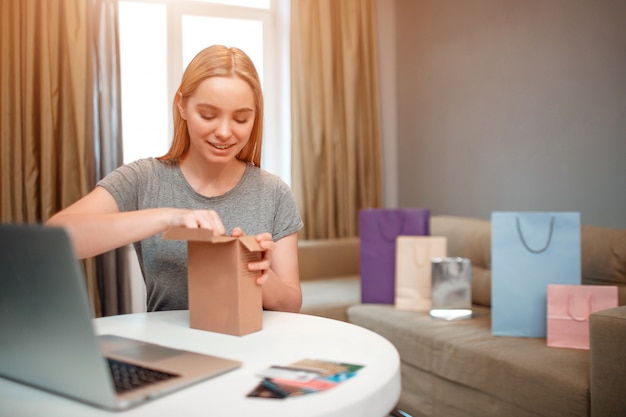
(303, 377)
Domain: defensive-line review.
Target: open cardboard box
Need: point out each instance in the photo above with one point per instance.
(223, 294)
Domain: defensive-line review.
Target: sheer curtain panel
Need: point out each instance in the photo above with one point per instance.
(335, 114)
(54, 65)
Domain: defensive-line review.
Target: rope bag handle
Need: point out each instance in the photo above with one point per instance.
(528, 248)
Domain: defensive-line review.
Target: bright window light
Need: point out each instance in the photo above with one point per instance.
(258, 4)
(145, 109)
(200, 32)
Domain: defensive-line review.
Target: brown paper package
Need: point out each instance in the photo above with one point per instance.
(223, 295)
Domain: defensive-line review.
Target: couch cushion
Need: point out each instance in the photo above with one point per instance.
(604, 258)
(469, 238)
(523, 372)
(603, 253)
(328, 258)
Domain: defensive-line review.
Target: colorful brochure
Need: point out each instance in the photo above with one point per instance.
(303, 377)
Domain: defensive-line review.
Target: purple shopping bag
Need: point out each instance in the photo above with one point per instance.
(378, 230)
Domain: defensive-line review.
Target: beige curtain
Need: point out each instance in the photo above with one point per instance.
(43, 107)
(50, 51)
(335, 114)
(105, 127)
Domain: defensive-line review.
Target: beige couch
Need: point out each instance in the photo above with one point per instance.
(459, 369)
(329, 275)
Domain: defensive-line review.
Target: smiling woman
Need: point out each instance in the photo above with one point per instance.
(210, 178)
(220, 118)
(226, 81)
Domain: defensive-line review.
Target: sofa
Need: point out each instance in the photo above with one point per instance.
(457, 368)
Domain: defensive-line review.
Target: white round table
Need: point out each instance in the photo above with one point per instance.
(285, 338)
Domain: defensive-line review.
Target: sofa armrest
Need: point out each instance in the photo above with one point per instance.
(607, 332)
(328, 258)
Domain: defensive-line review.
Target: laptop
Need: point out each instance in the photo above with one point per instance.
(47, 339)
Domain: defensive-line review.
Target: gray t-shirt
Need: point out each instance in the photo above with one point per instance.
(259, 203)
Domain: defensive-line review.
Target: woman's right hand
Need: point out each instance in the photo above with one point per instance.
(203, 219)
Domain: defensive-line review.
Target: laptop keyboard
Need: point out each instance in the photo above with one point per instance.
(127, 376)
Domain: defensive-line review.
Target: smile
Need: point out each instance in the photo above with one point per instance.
(221, 147)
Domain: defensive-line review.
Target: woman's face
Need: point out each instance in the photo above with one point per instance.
(220, 115)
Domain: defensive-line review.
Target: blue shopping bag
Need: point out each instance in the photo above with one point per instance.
(530, 250)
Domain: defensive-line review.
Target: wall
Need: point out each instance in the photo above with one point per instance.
(512, 105)
(386, 34)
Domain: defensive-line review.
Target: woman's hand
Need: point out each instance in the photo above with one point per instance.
(203, 219)
(279, 278)
(267, 244)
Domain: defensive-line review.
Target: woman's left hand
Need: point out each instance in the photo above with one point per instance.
(267, 244)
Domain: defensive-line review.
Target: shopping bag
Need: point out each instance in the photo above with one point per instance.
(451, 296)
(378, 230)
(530, 250)
(569, 307)
(413, 270)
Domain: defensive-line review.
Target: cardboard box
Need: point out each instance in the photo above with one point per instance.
(223, 295)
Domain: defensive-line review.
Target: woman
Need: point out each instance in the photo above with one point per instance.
(210, 178)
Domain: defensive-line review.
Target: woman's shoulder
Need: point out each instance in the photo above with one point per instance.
(142, 171)
(152, 162)
(264, 176)
(261, 179)
(150, 165)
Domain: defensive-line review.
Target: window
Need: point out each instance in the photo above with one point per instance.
(158, 38)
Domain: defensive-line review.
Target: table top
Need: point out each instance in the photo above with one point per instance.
(285, 338)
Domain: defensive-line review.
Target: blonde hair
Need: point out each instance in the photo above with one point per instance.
(218, 61)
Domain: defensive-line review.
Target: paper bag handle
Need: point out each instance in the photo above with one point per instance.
(569, 309)
(521, 236)
(423, 260)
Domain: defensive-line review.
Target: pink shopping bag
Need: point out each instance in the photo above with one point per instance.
(568, 311)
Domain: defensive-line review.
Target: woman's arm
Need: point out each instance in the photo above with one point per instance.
(281, 278)
(95, 224)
